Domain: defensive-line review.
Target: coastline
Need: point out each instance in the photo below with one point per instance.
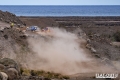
(68, 16)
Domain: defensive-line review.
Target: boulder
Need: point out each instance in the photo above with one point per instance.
(93, 50)
(12, 73)
(2, 67)
(117, 44)
(10, 63)
(3, 76)
(88, 40)
(88, 46)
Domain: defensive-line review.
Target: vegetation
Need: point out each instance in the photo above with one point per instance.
(49, 75)
(117, 36)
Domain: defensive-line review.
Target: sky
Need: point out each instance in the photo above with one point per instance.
(60, 2)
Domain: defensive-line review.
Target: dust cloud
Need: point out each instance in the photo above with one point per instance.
(56, 51)
(61, 52)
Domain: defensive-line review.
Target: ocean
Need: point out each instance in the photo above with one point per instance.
(19, 10)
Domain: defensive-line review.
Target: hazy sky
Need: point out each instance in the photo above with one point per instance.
(59, 2)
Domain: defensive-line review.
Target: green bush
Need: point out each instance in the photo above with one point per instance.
(66, 77)
(26, 72)
(49, 75)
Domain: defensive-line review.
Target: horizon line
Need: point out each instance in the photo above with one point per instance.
(57, 5)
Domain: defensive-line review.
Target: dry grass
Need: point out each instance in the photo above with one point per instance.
(50, 75)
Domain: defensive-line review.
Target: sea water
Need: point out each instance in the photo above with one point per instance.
(62, 10)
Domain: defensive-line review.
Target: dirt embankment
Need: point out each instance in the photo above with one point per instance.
(9, 17)
(10, 37)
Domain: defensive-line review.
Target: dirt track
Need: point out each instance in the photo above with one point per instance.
(99, 30)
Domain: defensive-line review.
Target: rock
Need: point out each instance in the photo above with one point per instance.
(23, 31)
(2, 67)
(1, 28)
(7, 21)
(3, 76)
(5, 36)
(6, 27)
(88, 46)
(115, 44)
(46, 79)
(12, 73)
(9, 63)
(35, 78)
(88, 40)
(97, 35)
(93, 50)
(1, 19)
(15, 21)
(24, 36)
(19, 25)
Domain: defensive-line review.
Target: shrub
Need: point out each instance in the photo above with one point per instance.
(117, 36)
(66, 77)
(48, 75)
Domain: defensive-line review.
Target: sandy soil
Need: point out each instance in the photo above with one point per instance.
(99, 30)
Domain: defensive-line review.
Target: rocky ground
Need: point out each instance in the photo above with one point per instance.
(102, 36)
(100, 31)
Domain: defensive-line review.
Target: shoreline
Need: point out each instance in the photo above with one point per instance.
(68, 16)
